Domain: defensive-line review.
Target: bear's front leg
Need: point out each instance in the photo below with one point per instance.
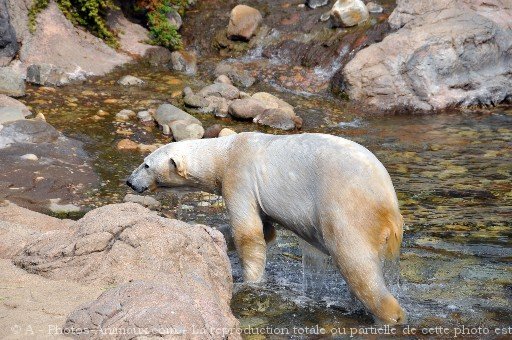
(247, 228)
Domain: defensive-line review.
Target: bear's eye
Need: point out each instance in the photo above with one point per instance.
(146, 166)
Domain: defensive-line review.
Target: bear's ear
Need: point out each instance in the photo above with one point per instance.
(179, 164)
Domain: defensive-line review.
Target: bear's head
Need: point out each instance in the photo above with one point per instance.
(165, 167)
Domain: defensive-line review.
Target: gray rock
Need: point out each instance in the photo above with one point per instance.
(184, 130)
(243, 22)
(195, 101)
(444, 54)
(8, 102)
(346, 13)
(240, 78)
(11, 114)
(158, 56)
(8, 42)
(217, 105)
(212, 131)
(46, 75)
(174, 19)
(226, 91)
(11, 82)
(279, 119)
(246, 108)
(316, 3)
(130, 81)
(184, 62)
(167, 113)
(374, 8)
(146, 201)
(28, 131)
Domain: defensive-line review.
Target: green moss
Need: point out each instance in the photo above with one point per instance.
(87, 13)
(163, 33)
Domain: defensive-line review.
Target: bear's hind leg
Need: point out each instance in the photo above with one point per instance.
(361, 268)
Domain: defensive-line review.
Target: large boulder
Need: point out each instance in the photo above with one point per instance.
(445, 53)
(243, 22)
(39, 164)
(56, 41)
(11, 82)
(10, 114)
(46, 75)
(346, 13)
(169, 274)
(8, 43)
(8, 102)
(19, 227)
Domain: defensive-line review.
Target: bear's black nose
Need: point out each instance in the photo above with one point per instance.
(130, 184)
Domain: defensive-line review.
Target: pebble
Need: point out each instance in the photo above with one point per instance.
(125, 115)
(130, 81)
(203, 204)
(374, 8)
(166, 130)
(144, 116)
(30, 157)
(223, 79)
(127, 144)
(40, 116)
(102, 113)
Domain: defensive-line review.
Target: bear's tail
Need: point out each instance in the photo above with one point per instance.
(396, 230)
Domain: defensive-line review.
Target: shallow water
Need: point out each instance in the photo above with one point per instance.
(452, 172)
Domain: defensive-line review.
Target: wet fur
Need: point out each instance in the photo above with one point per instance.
(329, 191)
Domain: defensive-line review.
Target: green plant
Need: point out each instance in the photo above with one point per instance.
(87, 13)
(163, 33)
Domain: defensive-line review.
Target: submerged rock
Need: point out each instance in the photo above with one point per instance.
(185, 62)
(130, 81)
(63, 169)
(243, 22)
(446, 53)
(346, 13)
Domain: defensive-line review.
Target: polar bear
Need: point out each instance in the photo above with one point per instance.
(331, 192)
